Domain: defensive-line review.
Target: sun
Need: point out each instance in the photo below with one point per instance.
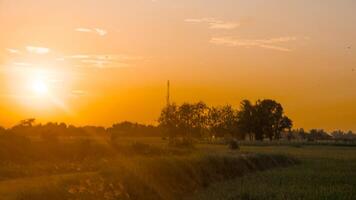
(39, 87)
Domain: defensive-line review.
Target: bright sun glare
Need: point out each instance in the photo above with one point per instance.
(39, 87)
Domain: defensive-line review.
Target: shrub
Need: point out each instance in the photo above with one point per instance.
(182, 143)
(233, 145)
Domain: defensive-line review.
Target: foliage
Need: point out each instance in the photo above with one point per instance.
(129, 129)
(264, 119)
(186, 120)
(318, 134)
(233, 145)
(223, 121)
(324, 173)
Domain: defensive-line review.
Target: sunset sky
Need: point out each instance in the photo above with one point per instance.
(100, 62)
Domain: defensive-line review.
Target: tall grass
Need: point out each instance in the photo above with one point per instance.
(157, 177)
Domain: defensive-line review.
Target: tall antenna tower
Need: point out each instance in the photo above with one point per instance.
(168, 93)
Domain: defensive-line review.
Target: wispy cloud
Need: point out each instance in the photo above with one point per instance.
(79, 56)
(22, 64)
(37, 50)
(99, 31)
(97, 63)
(85, 30)
(214, 23)
(77, 93)
(107, 57)
(102, 60)
(261, 43)
(13, 51)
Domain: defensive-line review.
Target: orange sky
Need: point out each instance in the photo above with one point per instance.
(99, 62)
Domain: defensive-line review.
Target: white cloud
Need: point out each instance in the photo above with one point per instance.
(13, 51)
(261, 43)
(79, 56)
(97, 63)
(102, 60)
(22, 64)
(215, 23)
(77, 93)
(224, 25)
(37, 50)
(99, 31)
(85, 30)
(108, 57)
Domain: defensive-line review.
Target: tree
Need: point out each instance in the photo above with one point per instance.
(27, 122)
(264, 119)
(223, 121)
(193, 119)
(281, 125)
(301, 134)
(186, 121)
(245, 118)
(318, 134)
(168, 121)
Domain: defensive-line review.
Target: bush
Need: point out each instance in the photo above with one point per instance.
(233, 145)
(182, 143)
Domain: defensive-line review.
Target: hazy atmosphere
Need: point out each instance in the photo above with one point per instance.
(177, 100)
(99, 62)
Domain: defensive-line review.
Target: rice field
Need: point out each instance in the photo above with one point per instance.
(325, 172)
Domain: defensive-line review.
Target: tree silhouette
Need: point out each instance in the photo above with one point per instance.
(264, 119)
(168, 121)
(223, 121)
(245, 118)
(27, 122)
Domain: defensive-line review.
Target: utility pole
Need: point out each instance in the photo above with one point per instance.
(168, 93)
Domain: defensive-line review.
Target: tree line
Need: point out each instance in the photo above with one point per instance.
(263, 119)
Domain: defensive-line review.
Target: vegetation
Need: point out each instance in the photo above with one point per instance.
(136, 171)
(187, 123)
(263, 120)
(325, 172)
(206, 145)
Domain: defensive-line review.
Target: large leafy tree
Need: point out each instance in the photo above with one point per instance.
(265, 119)
(223, 121)
(186, 120)
(168, 121)
(245, 118)
(193, 119)
(271, 120)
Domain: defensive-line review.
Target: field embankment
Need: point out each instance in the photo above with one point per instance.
(145, 177)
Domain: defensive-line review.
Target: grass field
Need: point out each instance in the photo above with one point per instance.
(149, 169)
(325, 172)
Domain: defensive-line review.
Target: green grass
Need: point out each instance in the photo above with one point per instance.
(326, 172)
